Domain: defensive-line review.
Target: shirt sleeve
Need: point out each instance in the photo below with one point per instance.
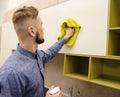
(11, 84)
(52, 51)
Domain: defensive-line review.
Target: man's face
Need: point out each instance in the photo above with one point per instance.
(39, 34)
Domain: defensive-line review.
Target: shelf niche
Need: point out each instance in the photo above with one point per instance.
(76, 66)
(105, 71)
(114, 13)
(113, 42)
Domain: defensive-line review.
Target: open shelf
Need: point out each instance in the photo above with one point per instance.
(113, 47)
(76, 66)
(105, 71)
(114, 42)
(77, 76)
(114, 13)
(107, 82)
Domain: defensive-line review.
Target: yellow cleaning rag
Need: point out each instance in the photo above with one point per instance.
(69, 23)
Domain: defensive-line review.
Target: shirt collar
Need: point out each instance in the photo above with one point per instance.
(26, 52)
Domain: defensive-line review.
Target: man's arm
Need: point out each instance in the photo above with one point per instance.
(53, 50)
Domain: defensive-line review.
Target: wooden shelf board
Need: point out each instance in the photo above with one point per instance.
(107, 82)
(77, 76)
(114, 28)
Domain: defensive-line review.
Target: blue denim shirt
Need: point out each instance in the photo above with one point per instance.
(22, 75)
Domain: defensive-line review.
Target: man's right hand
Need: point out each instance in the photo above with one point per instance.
(69, 32)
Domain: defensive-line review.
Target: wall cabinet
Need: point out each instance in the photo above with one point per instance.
(90, 14)
(102, 70)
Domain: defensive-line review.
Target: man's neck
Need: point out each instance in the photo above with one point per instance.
(29, 46)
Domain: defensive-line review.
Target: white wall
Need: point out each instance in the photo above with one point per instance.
(2, 8)
(14, 3)
(6, 5)
(8, 39)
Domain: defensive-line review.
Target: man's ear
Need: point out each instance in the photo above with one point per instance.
(31, 31)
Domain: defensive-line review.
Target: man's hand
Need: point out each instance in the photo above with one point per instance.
(58, 94)
(69, 32)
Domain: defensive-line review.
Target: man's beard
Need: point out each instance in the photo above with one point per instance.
(38, 39)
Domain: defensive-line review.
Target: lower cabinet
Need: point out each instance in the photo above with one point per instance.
(102, 70)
